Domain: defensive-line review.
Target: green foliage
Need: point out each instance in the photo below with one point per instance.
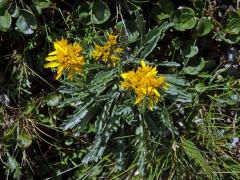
(204, 26)
(100, 13)
(5, 21)
(26, 22)
(194, 70)
(163, 11)
(194, 153)
(184, 19)
(232, 23)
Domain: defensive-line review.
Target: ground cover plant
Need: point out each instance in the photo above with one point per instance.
(130, 89)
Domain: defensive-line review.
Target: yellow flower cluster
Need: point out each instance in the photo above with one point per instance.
(144, 83)
(66, 56)
(109, 53)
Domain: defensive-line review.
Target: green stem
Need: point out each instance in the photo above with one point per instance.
(142, 136)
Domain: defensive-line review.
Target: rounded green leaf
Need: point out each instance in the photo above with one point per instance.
(5, 21)
(83, 13)
(25, 139)
(53, 99)
(165, 9)
(26, 22)
(194, 70)
(189, 49)
(100, 13)
(184, 19)
(191, 52)
(204, 26)
(15, 12)
(200, 88)
(12, 163)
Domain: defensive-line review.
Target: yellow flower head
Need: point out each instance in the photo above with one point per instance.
(144, 83)
(66, 56)
(109, 52)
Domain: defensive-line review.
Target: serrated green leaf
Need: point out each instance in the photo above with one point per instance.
(141, 23)
(100, 81)
(89, 67)
(75, 99)
(152, 38)
(174, 79)
(106, 124)
(80, 116)
(130, 29)
(102, 77)
(179, 95)
(125, 111)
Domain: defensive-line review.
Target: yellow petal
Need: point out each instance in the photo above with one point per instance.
(139, 99)
(59, 72)
(156, 92)
(114, 58)
(52, 53)
(152, 72)
(96, 54)
(143, 63)
(51, 58)
(119, 50)
(57, 46)
(70, 75)
(124, 75)
(150, 102)
(51, 65)
(97, 47)
(161, 79)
